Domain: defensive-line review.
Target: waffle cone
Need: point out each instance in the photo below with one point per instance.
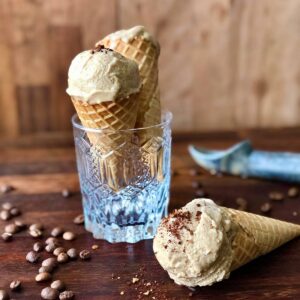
(110, 146)
(145, 53)
(257, 235)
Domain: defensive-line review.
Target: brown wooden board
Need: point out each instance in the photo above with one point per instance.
(40, 174)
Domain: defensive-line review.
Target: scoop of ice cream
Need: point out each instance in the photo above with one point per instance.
(193, 244)
(127, 35)
(102, 75)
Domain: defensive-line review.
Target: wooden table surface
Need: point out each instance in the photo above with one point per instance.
(39, 174)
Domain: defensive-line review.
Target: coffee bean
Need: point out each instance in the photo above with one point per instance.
(266, 207)
(50, 247)
(4, 295)
(85, 254)
(15, 212)
(5, 215)
(49, 293)
(196, 184)
(32, 257)
(52, 240)
(65, 193)
(62, 257)
(15, 285)
(57, 231)
(35, 233)
(69, 236)
(11, 228)
(6, 188)
(20, 224)
(58, 285)
(42, 277)
(51, 261)
(276, 196)
(38, 247)
(72, 253)
(6, 236)
(242, 203)
(293, 192)
(36, 226)
(66, 295)
(47, 269)
(59, 250)
(7, 206)
(79, 220)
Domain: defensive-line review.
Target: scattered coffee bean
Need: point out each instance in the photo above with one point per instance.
(194, 172)
(20, 224)
(242, 203)
(59, 250)
(276, 196)
(15, 285)
(5, 215)
(72, 253)
(42, 277)
(32, 257)
(266, 207)
(50, 247)
(6, 188)
(36, 226)
(6, 236)
(293, 192)
(52, 240)
(62, 258)
(69, 236)
(51, 261)
(15, 212)
(85, 254)
(7, 206)
(49, 293)
(57, 231)
(4, 295)
(200, 193)
(38, 247)
(196, 184)
(65, 193)
(95, 247)
(79, 220)
(58, 285)
(47, 269)
(66, 295)
(36, 233)
(11, 228)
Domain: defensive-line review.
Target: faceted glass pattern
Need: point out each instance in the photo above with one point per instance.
(125, 186)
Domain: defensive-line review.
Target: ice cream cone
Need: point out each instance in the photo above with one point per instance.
(257, 235)
(138, 45)
(111, 146)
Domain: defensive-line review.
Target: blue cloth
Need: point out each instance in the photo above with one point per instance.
(243, 160)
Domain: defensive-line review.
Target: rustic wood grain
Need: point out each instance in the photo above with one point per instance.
(38, 194)
(224, 64)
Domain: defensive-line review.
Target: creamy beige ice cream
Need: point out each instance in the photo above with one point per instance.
(102, 75)
(194, 244)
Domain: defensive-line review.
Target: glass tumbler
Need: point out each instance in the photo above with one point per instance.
(124, 179)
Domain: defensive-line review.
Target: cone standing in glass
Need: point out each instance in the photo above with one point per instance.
(201, 243)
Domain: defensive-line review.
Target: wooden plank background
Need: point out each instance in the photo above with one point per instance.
(224, 64)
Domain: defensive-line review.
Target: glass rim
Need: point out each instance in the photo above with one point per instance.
(167, 117)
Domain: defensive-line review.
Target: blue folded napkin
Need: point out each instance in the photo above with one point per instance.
(243, 160)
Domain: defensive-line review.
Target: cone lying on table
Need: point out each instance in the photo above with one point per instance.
(257, 235)
(201, 243)
(137, 44)
(104, 87)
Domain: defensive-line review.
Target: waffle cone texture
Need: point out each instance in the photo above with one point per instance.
(257, 235)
